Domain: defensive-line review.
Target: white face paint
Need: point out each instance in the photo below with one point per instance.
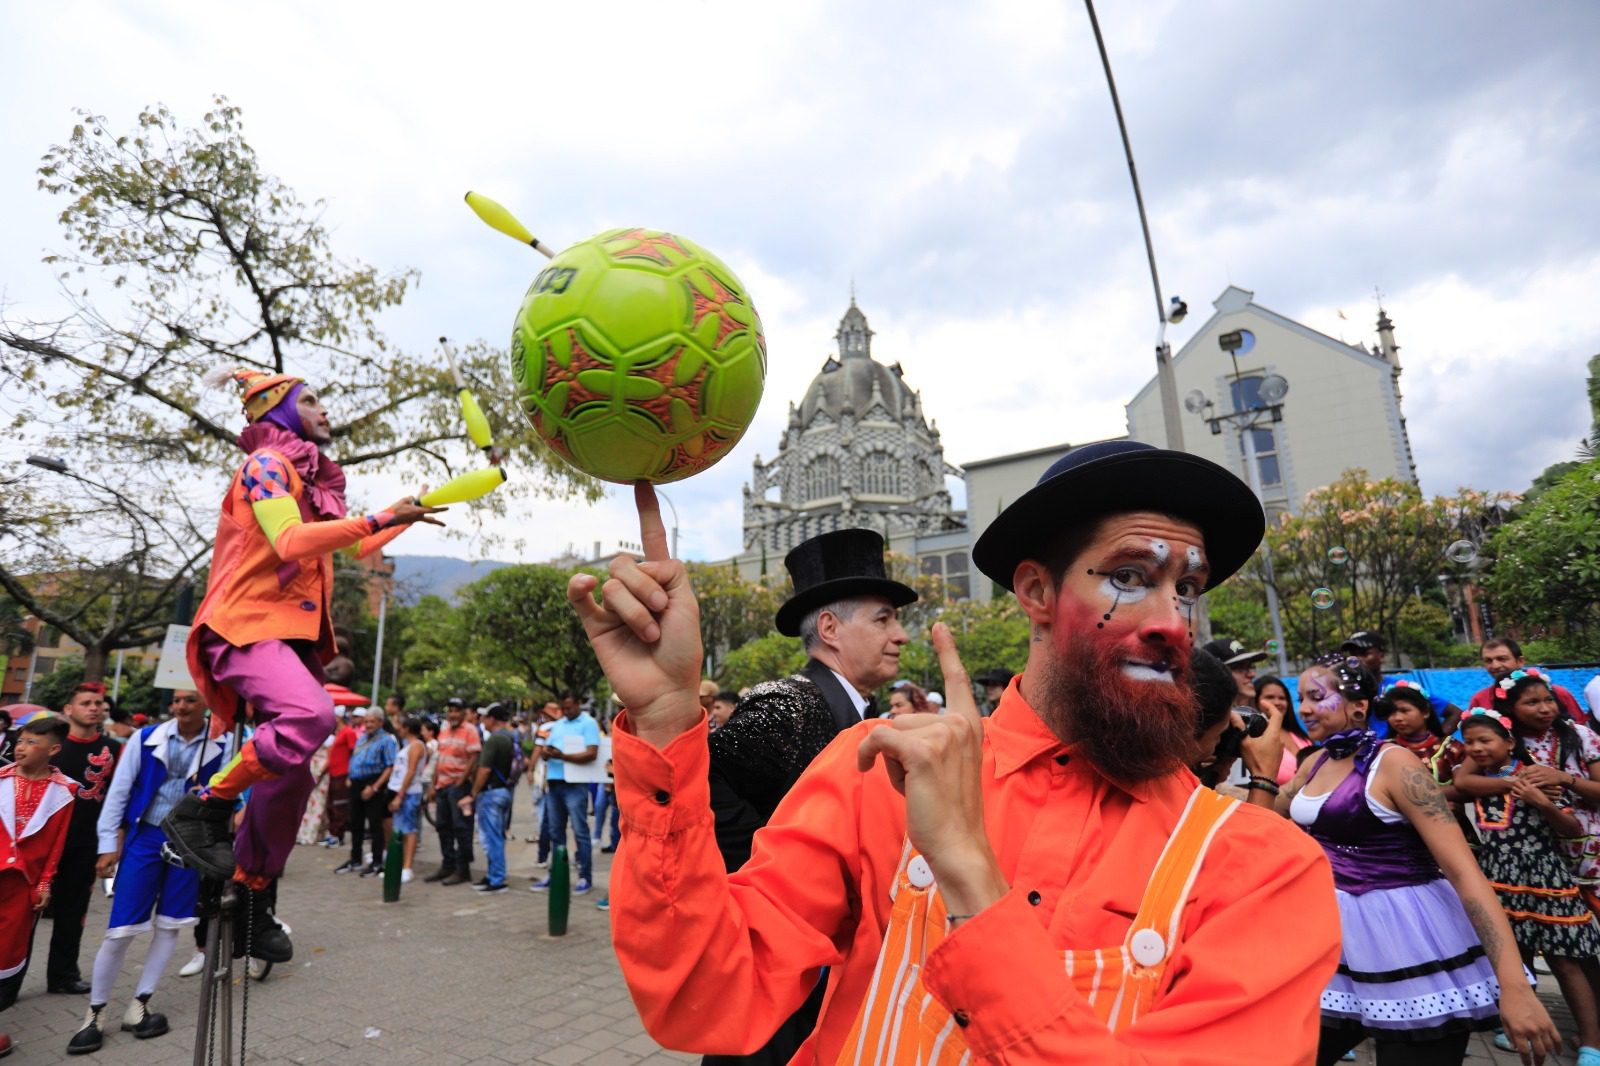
(1161, 550)
(1120, 592)
(1192, 557)
(1143, 672)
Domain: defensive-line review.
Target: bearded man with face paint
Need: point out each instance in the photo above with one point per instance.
(263, 632)
(1046, 885)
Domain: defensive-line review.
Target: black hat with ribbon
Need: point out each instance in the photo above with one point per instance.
(837, 566)
(1117, 477)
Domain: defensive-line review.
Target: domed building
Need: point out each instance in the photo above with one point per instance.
(858, 452)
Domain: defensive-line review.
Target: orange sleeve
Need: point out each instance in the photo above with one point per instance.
(367, 545)
(715, 961)
(1232, 992)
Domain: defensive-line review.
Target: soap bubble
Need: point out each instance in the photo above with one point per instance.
(1272, 647)
(1338, 556)
(1322, 598)
(1462, 551)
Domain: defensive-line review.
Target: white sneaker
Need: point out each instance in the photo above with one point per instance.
(405, 877)
(194, 965)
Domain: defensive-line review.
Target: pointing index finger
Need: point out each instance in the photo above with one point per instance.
(652, 533)
(957, 687)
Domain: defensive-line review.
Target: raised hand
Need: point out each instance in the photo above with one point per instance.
(407, 511)
(645, 630)
(936, 762)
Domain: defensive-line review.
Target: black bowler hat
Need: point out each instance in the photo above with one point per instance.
(1115, 477)
(837, 566)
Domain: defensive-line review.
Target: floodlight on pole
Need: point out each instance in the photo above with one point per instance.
(1245, 420)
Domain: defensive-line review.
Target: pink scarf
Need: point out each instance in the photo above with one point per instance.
(323, 478)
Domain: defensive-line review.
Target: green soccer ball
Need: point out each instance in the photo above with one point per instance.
(638, 356)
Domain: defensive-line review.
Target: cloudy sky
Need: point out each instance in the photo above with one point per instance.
(960, 162)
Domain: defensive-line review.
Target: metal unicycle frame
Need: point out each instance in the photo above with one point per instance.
(222, 904)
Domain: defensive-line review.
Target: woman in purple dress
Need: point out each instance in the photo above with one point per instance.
(1427, 954)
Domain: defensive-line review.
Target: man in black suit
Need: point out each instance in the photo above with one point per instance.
(845, 609)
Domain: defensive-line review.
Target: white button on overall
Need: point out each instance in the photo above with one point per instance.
(1147, 947)
(919, 873)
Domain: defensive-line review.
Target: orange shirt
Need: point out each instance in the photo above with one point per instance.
(716, 961)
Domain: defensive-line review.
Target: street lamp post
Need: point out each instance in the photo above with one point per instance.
(674, 510)
(1245, 421)
(33, 658)
(1166, 380)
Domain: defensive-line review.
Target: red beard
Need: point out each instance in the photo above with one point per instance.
(1131, 730)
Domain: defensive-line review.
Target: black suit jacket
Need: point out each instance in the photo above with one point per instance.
(758, 755)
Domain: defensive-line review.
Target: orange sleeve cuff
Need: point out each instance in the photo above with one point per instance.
(1006, 994)
(662, 791)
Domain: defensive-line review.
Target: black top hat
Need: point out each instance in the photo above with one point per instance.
(998, 676)
(1118, 476)
(837, 566)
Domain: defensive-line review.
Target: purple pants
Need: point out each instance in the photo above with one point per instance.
(281, 680)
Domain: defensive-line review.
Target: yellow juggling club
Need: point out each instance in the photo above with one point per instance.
(471, 413)
(465, 487)
(499, 218)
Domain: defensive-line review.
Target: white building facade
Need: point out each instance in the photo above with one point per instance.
(1342, 411)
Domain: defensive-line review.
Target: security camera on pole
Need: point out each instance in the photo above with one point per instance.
(1246, 420)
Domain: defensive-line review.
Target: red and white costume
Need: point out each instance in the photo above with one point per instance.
(34, 816)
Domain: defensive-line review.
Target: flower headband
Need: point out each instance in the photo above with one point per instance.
(1407, 683)
(1482, 712)
(1511, 680)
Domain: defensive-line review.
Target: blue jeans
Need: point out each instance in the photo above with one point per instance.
(493, 807)
(571, 801)
(605, 803)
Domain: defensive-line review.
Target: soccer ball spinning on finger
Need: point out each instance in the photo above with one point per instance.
(638, 355)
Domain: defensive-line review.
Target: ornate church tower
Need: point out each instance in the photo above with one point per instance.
(857, 453)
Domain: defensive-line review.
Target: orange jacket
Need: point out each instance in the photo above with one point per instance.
(261, 590)
(716, 961)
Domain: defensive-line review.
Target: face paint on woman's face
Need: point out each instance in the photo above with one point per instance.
(1322, 707)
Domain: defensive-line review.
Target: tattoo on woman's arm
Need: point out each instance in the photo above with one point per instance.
(1423, 792)
(1483, 924)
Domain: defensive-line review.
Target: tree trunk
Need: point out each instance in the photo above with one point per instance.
(94, 663)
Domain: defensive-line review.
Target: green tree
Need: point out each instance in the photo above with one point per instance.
(733, 611)
(1391, 540)
(518, 619)
(137, 694)
(429, 634)
(765, 658)
(1239, 610)
(186, 254)
(1545, 570)
(472, 682)
(1424, 629)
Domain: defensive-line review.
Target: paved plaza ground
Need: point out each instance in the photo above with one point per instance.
(444, 977)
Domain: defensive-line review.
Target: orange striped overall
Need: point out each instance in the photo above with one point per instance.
(900, 1023)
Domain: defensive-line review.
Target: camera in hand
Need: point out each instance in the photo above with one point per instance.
(1229, 744)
